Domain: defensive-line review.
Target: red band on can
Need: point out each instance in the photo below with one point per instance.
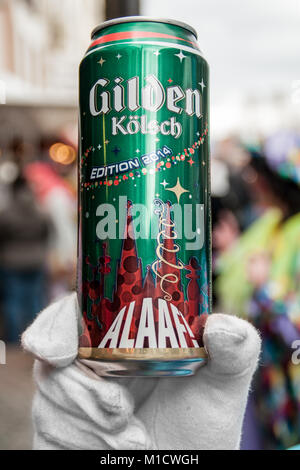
(136, 35)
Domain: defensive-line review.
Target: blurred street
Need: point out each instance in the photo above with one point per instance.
(42, 43)
(16, 391)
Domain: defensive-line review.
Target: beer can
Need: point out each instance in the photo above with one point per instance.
(144, 244)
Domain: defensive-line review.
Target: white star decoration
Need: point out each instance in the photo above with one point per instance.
(156, 53)
(99, 147)
(202, 84)
(137, 150)
(164, 183)
(180, 56)
(118, 56)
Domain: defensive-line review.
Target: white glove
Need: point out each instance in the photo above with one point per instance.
(76, 409)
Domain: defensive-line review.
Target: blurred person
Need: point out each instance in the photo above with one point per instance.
(230, 192)
(24, 236)
(57, 196)
(260, 280)
(17, 151)
(231, 206)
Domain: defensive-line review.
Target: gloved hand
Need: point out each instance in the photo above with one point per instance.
(74, 408)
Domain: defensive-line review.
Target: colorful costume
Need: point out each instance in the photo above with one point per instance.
(275, 310)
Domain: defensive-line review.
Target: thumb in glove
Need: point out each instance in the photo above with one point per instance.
(206, 411)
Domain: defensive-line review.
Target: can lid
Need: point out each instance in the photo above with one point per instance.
(130, 19)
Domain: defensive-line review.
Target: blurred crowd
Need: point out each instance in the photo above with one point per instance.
(256, 257)
(37, 229)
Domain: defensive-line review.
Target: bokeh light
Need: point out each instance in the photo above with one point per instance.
(62, 153)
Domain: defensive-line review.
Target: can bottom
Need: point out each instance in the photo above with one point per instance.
(143, 363)
(145, 368)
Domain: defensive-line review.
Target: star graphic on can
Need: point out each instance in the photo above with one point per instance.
(180, 56)
(116, 150)
(178, 190)
(118, 56)
(202, 84)
(101, 61)
(164, 183)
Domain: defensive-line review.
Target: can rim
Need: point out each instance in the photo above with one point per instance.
(130, 19)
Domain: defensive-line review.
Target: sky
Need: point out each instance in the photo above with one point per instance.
(252, 46)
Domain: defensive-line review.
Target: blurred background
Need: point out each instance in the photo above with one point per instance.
(253, 52)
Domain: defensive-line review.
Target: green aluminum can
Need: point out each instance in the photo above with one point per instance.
(144, 244)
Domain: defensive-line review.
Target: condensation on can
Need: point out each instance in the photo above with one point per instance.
(144, 242)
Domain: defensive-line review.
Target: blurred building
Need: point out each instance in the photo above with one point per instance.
(41, 45)
(253, 117)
